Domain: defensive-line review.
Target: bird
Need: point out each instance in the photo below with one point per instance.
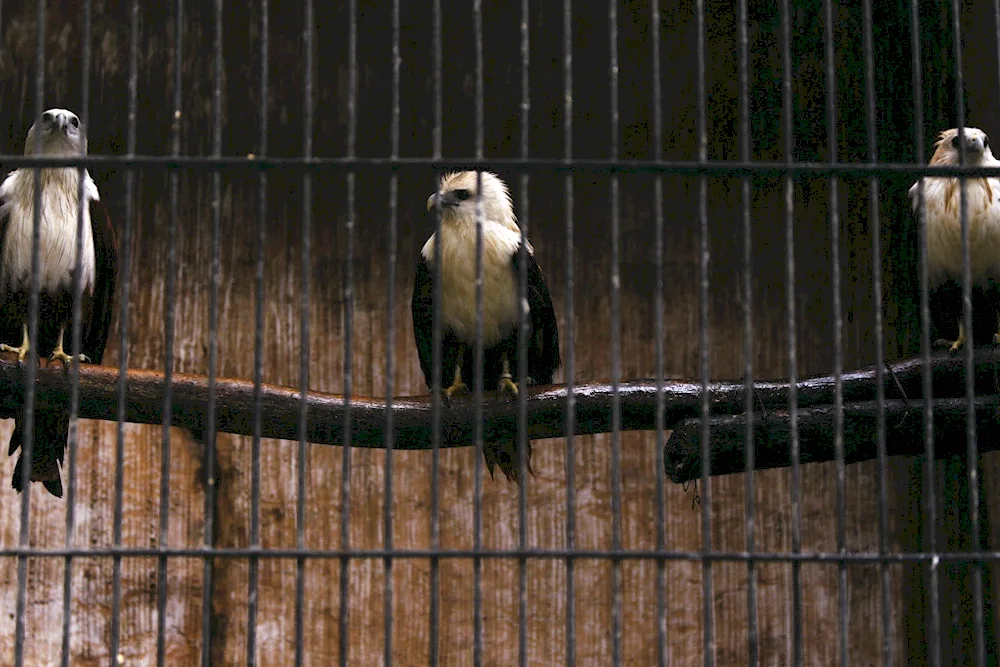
(458, 196)
(61, 134)
(941, 214)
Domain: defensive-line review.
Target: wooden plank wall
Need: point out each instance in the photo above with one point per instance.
(546, 493)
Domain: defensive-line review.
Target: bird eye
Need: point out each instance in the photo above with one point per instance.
(986, 142)
(954, 141)
(74, 121)
(46, 117)
(462, 195)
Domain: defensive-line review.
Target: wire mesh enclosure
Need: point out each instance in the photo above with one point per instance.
(717, 196)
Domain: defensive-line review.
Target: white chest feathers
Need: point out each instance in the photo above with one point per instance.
(944, 227)
(57, 233)
(458, 280)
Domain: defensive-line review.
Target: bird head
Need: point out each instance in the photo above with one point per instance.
(458, 193)
(977, 147)
(61, 131)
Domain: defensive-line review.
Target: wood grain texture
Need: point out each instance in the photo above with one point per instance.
(543, 208)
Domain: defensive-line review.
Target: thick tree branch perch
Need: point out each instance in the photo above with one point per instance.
(772, 435)
(412, 415)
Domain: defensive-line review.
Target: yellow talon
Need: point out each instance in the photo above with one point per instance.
(957, 345)
(22, 351)
(457, 388)
(506, 383)
(61, 355)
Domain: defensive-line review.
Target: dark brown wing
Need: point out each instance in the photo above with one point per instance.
(543, 355)
(97, 322)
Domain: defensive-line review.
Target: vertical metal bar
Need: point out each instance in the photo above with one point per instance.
(748, 340)
(793, 413)
(706, 499)
(522, 347)
(123, 341)
(925, 341)
(345, 477)
(570, 333)
(258, 344)
(972, 448)
(876, 226)
(477, 497)
(213, 346)
(27, 442)
(76, 341)
(838, 328)
(616, 353)
(477, 511)
(304, 231)
(661, 511)
(169, 322)
(390, 348)
(436, 380)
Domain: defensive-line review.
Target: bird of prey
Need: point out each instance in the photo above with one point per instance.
(944, 234)
(62, 134)
(501, 258)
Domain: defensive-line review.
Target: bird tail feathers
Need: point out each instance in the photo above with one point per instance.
(51, 433)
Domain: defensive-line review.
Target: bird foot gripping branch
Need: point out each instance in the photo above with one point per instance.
(507, 387)
(22, 351)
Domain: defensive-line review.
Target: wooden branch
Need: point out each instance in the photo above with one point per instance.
(412, 416)
(904, 422)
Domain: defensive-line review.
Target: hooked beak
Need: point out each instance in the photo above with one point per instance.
(973, 144)
(447, 200)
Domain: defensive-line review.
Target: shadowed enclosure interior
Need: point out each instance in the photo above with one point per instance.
(224, 269)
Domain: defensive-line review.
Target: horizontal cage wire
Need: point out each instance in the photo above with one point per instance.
(532, 240)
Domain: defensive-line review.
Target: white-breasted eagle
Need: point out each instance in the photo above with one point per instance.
(501, 260)
(62, 134)
(942, 197)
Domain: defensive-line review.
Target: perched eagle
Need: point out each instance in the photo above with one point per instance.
(501, 242)
(942, 197)
(63, 135)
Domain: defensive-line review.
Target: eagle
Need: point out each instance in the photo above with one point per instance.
(62, 134)
(458, 195)
(942, 197)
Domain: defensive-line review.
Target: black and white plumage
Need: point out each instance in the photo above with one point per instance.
(62, 134)
(501, 259)
(942, 210)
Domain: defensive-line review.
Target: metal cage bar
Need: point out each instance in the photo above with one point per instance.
(876, 226)
(258, 353)
(76, 347)
(123, 328)
(701, 128)
(838, 326)
(29, 393)
(390, 358)
(437, 382)
(478, 619)
(305, 252)
(925, 340)
(570, 331)
(616, 354)
(345, 478)
(972, 449)
(169, 321)
(748, 333)
(661, 499)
